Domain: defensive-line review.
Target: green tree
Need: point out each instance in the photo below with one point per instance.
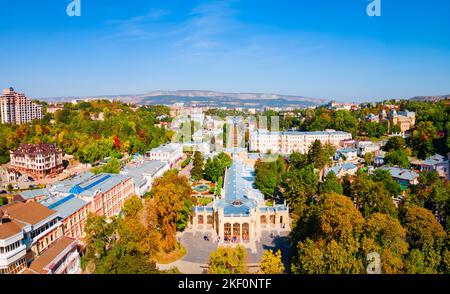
(369, 158)
(398, 158)
(422, 139)
(300, 186)
(298, 160)
(385, 235)
(423, 230)
(371, 197)
(197, 170)
(331, 241)
(395, 143)
(170, 193)
(320, 156)
(384, 176)
(132, 206)
(228, 260)
(271, 263)
(331, 184)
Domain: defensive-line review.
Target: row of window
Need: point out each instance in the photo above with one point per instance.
(9, 248)
(43, 228)
(14, 268)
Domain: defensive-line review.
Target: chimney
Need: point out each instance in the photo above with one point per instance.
(4, 217)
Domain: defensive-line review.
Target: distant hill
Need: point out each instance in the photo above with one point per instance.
(431, 98)
(209, 98)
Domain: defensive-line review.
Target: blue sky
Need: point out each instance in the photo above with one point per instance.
(321, 48)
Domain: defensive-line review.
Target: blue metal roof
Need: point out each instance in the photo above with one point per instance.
(88, 184)
(401, 173)
(31, 194)
(65, 206)
(61, 201)
(435, 160)
(240, 195)
(78, 189)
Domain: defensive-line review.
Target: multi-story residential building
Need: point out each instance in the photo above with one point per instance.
(289, 142)
(16, 108)
(104, 193)
(170, 153)
(37, 160)
(26, 231)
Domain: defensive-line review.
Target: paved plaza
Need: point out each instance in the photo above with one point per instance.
(198, 251)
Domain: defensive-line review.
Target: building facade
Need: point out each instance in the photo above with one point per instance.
(144, 173)
(240, 214)
(61, 258)
(26, 231)
(37, 160)
(289, 142)
(170, 153)
(16, 108)
(406, 120)
(104, 193)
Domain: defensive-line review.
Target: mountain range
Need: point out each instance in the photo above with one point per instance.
(209, 99)
(431, 98)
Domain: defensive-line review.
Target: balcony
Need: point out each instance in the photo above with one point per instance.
(12, 256)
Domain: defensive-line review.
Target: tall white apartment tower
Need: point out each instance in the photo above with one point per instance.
(16, 108)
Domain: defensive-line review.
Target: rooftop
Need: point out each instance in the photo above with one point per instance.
(36, 149)
(345, 167)
(88, 184)
(30, 213)
(64, 205)
(434, 160)
(300, 133)
(240, 195)
(44, 262)
(401, 173)
(32, 194)
(10, 228)
(171, 147)
(138, 172)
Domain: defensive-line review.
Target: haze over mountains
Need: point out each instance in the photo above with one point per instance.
(431, 98)
(204, 98)
(209, 98)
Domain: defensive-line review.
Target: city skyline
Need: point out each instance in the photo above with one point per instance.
(302, 49)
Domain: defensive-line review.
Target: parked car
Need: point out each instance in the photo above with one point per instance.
(3, 192)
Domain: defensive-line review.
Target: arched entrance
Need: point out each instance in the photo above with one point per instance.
(200, 219)
(245, 232)
(272, 219)
(209, 220)
(227, 232)
(236, 232)
(263, 219)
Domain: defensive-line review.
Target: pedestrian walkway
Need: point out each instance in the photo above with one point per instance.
(199, 250)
